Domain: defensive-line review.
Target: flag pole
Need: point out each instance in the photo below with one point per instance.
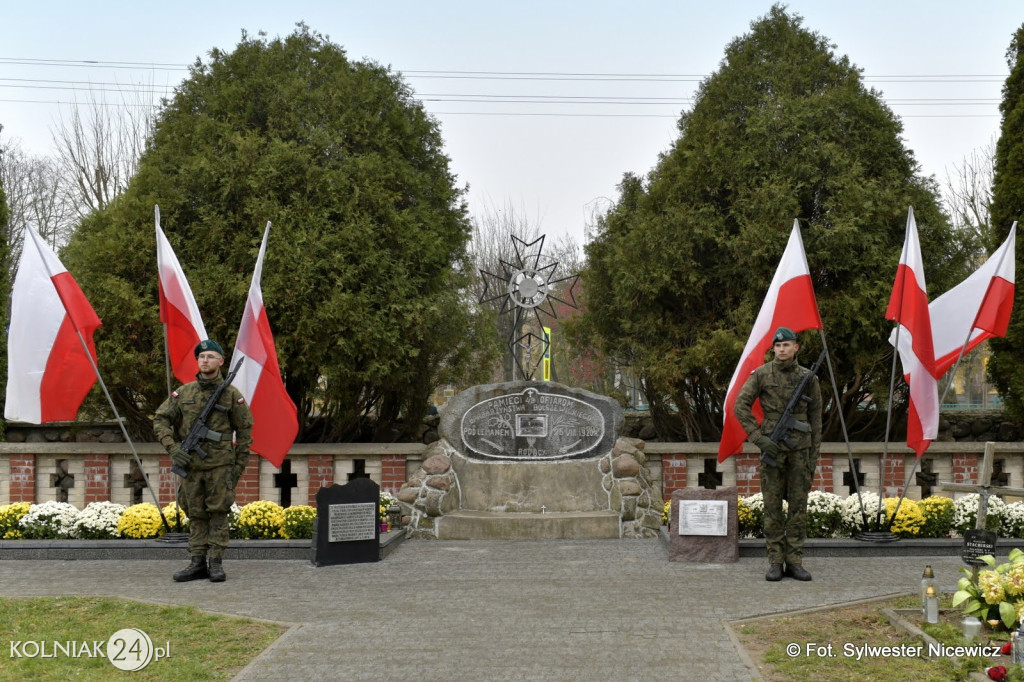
(842, 424)
(103, 385)
(167, 370)
(902, 274)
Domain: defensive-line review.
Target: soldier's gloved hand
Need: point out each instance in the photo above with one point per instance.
(181, 458)
(767, 446)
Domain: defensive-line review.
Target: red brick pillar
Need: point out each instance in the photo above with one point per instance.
(824, 475)
(248, 487)
(673, 474)
(748, 473)
(23, 478)
(964, 467)
(321, 473)
(97, 478)
(894, 475)
(392, 472)
(166, 481)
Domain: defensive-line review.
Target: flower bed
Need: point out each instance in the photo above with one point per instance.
(830, 516)
(260, 520)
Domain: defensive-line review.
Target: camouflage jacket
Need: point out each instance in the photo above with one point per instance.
(774, 383)
(174, 418)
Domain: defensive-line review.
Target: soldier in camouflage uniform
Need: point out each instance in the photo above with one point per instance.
(207, 493)
(791, 477)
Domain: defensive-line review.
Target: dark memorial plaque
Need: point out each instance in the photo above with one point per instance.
(347, 529)
(978, 543)
(530, 421)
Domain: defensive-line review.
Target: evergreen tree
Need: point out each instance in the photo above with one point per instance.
(366, 262)
(784, 129)
(1006, 366)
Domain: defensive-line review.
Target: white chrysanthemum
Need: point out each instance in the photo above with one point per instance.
(98, 520)
(49, 520)
(965, 511)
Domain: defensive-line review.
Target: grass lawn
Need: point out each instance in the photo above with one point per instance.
(72, 633)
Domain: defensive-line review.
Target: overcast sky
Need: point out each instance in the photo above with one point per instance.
(575, 94)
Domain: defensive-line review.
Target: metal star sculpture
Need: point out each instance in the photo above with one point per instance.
(526, 287)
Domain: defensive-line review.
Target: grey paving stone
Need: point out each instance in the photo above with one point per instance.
(540, 610)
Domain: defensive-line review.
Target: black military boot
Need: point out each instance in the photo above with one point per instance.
(217, 574)
(797, 572)
(774, 573)
(194, 571)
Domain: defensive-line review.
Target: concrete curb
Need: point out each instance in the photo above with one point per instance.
(70, 550)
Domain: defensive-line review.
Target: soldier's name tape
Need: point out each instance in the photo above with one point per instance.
(128, 649)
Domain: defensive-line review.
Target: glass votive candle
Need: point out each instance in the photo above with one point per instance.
(971, 628)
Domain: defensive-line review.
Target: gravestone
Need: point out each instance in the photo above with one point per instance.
(704, 526)
(347, 528)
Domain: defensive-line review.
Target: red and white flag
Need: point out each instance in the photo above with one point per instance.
(178, 310)
(275, 417)
(790, 303)
(976, 309)
(908, 307)
(48, 371)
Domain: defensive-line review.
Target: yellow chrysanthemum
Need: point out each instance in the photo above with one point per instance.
(991, 585)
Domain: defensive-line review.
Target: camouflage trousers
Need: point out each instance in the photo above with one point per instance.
(206, 498)
(784, 533)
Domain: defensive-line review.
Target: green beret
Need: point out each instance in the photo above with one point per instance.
(781, 334)
(210, 344)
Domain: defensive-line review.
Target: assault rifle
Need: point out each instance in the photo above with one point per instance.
(780, 434)
(199, 432)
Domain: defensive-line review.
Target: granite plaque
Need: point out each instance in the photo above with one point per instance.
(977, 543)
(710, 506)
(530, 421)
(347, 528)
(351, 522)
(703, 517)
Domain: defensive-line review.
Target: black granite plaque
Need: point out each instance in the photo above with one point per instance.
(978, 543)
(347, 529)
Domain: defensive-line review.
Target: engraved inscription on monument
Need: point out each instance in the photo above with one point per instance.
(532, 425)
(351, 522)
(703, 517)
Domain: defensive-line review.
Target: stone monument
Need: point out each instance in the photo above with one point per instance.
(532, 460)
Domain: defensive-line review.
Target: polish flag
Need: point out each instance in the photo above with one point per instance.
(908, 307)
(790, 303)
(48, 371)
(178, 310)
(976, 309)
(275, 417)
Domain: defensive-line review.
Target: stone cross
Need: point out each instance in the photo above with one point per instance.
(926, 477)
(848, 477)
(62, 480)
(285, 481)
(136, 482)
(711, 478)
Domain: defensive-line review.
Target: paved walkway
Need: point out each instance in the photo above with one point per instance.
(545, 610)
